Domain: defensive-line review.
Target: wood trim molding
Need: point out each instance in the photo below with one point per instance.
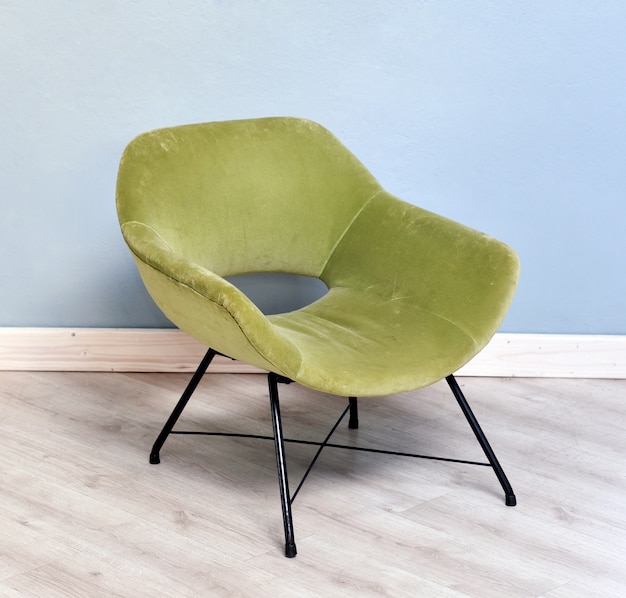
(170, 350)
(106, 349)
(551, 356)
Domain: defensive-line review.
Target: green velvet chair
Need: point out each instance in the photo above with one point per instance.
(412, 296)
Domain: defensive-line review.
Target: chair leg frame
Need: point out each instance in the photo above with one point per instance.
(279, 441)
(281, 466)
(510, 499)
(180, 406)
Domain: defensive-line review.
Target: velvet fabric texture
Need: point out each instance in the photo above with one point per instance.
(412, 295)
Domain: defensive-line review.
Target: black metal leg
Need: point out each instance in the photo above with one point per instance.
(279, 441)
(511, 501)
(180, 406)
(353, 422)
(281, 464)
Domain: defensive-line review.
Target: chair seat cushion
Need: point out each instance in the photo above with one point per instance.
(357, 344)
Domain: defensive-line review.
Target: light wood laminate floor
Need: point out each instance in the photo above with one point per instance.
(83, 513)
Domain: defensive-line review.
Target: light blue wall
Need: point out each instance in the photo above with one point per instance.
(509, 116)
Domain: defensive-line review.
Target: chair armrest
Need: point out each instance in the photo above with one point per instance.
(152, 249)
(403, 253)
(204, 304)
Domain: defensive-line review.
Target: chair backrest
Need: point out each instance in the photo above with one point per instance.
(260, 195)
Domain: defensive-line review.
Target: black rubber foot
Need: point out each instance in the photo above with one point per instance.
(290, 550)
(353, 424)
(155, 459)
(511, 501)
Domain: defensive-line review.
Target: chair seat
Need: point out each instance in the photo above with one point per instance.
(357, 344)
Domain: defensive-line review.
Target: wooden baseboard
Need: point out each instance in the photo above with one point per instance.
(168, 350)
(106, 350)
(551, 356)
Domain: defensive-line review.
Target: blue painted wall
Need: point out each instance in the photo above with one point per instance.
(509, 116)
